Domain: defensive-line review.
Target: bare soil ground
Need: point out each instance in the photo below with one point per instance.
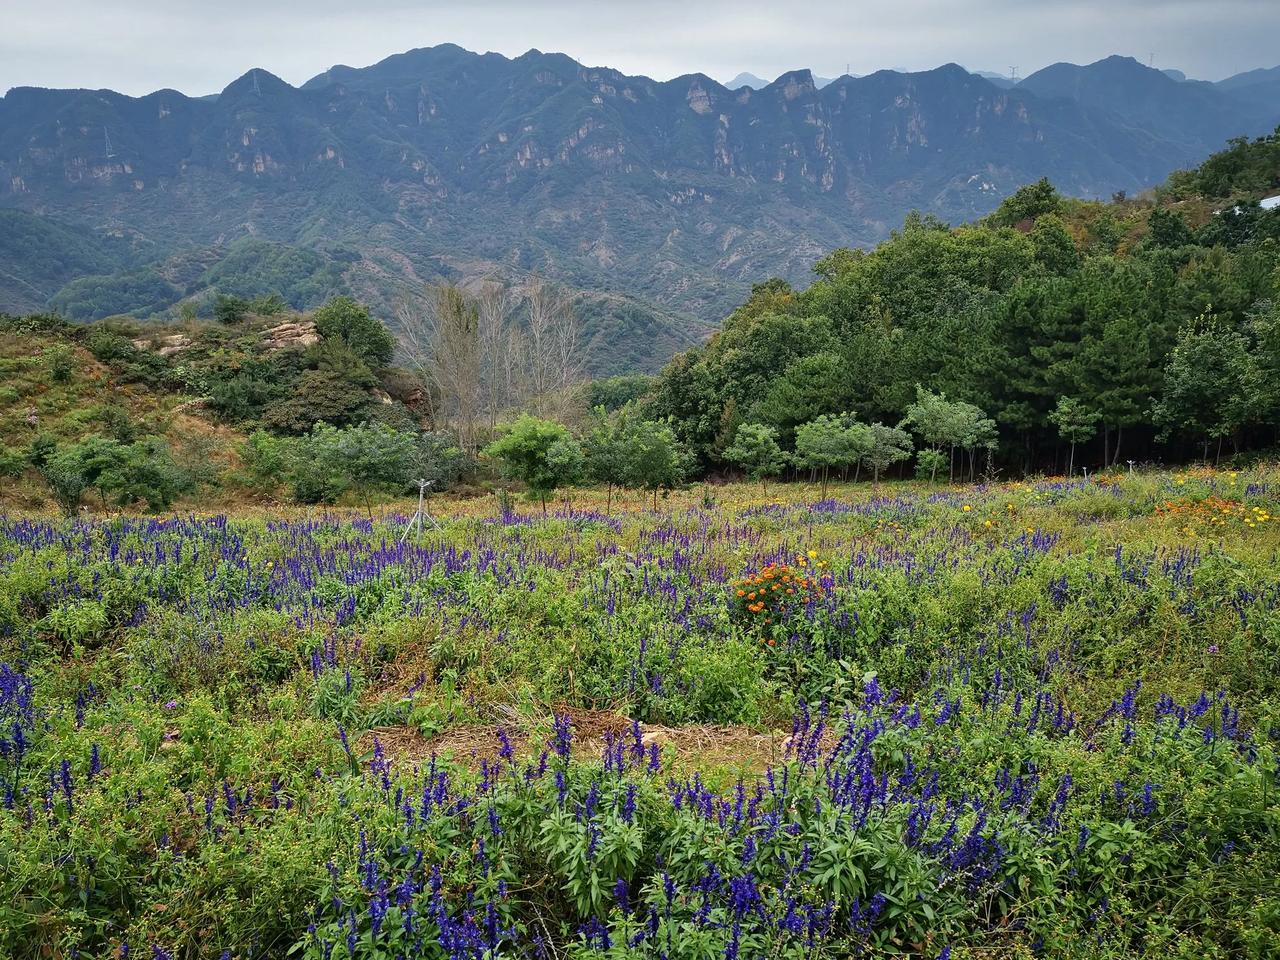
(700, 746)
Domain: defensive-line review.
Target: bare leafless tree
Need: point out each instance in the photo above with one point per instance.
(499, 348)
(441, 333)
(481, 361)
(418, 350)
(553, 354)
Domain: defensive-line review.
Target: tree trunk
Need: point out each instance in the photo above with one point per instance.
(1106, 444)
(1071, 462)
(1115, 454)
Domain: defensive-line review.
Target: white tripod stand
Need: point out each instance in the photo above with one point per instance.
(421, 514)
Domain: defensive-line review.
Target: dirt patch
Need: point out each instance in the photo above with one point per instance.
(720, 746)
(591, 725)
(685, 748)
(404, 746)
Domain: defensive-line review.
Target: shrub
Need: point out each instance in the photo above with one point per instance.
(755, 449)
(67, 481)
(320, 396)
(329, 461)
(230, 310)
(60, 359)
(12, 462)
(128, 473)
(345, 320)
(929, 462)
(266, 458)
(439, 460)
(541, 454)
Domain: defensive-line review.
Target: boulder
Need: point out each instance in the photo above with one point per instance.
(165, 346)
(290, 334)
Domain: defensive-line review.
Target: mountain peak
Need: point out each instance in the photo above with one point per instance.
(792, 79)
(745, 79)
(257, 82)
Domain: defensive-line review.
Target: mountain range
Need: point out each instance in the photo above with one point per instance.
(660, 201)
(757, 83)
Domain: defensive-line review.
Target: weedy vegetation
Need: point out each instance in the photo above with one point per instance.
(1004, 720)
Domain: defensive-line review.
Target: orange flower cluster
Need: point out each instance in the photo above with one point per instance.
(1214, 511)
(764, 596)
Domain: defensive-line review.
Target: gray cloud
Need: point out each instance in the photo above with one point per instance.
(198, 47)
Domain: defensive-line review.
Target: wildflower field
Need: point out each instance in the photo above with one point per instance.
(1017, 720)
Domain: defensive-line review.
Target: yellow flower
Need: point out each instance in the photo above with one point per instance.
(966, 508)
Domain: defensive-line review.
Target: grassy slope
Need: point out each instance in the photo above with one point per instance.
(31, 403)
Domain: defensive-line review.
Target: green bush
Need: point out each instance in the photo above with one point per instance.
(329, 461)
(127, 473)
(61, 362)
(541, 454)
(13, 462)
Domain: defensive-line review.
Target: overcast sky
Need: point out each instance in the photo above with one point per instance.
(199, 46)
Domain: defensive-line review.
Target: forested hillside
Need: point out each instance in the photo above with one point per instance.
(1054, 335)
(1145, 329)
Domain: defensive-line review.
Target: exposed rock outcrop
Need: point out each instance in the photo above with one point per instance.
(165, 346)
(298, 334)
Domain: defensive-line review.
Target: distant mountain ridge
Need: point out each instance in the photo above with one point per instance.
(662, 200)
(1188, 112)
(757, 83)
